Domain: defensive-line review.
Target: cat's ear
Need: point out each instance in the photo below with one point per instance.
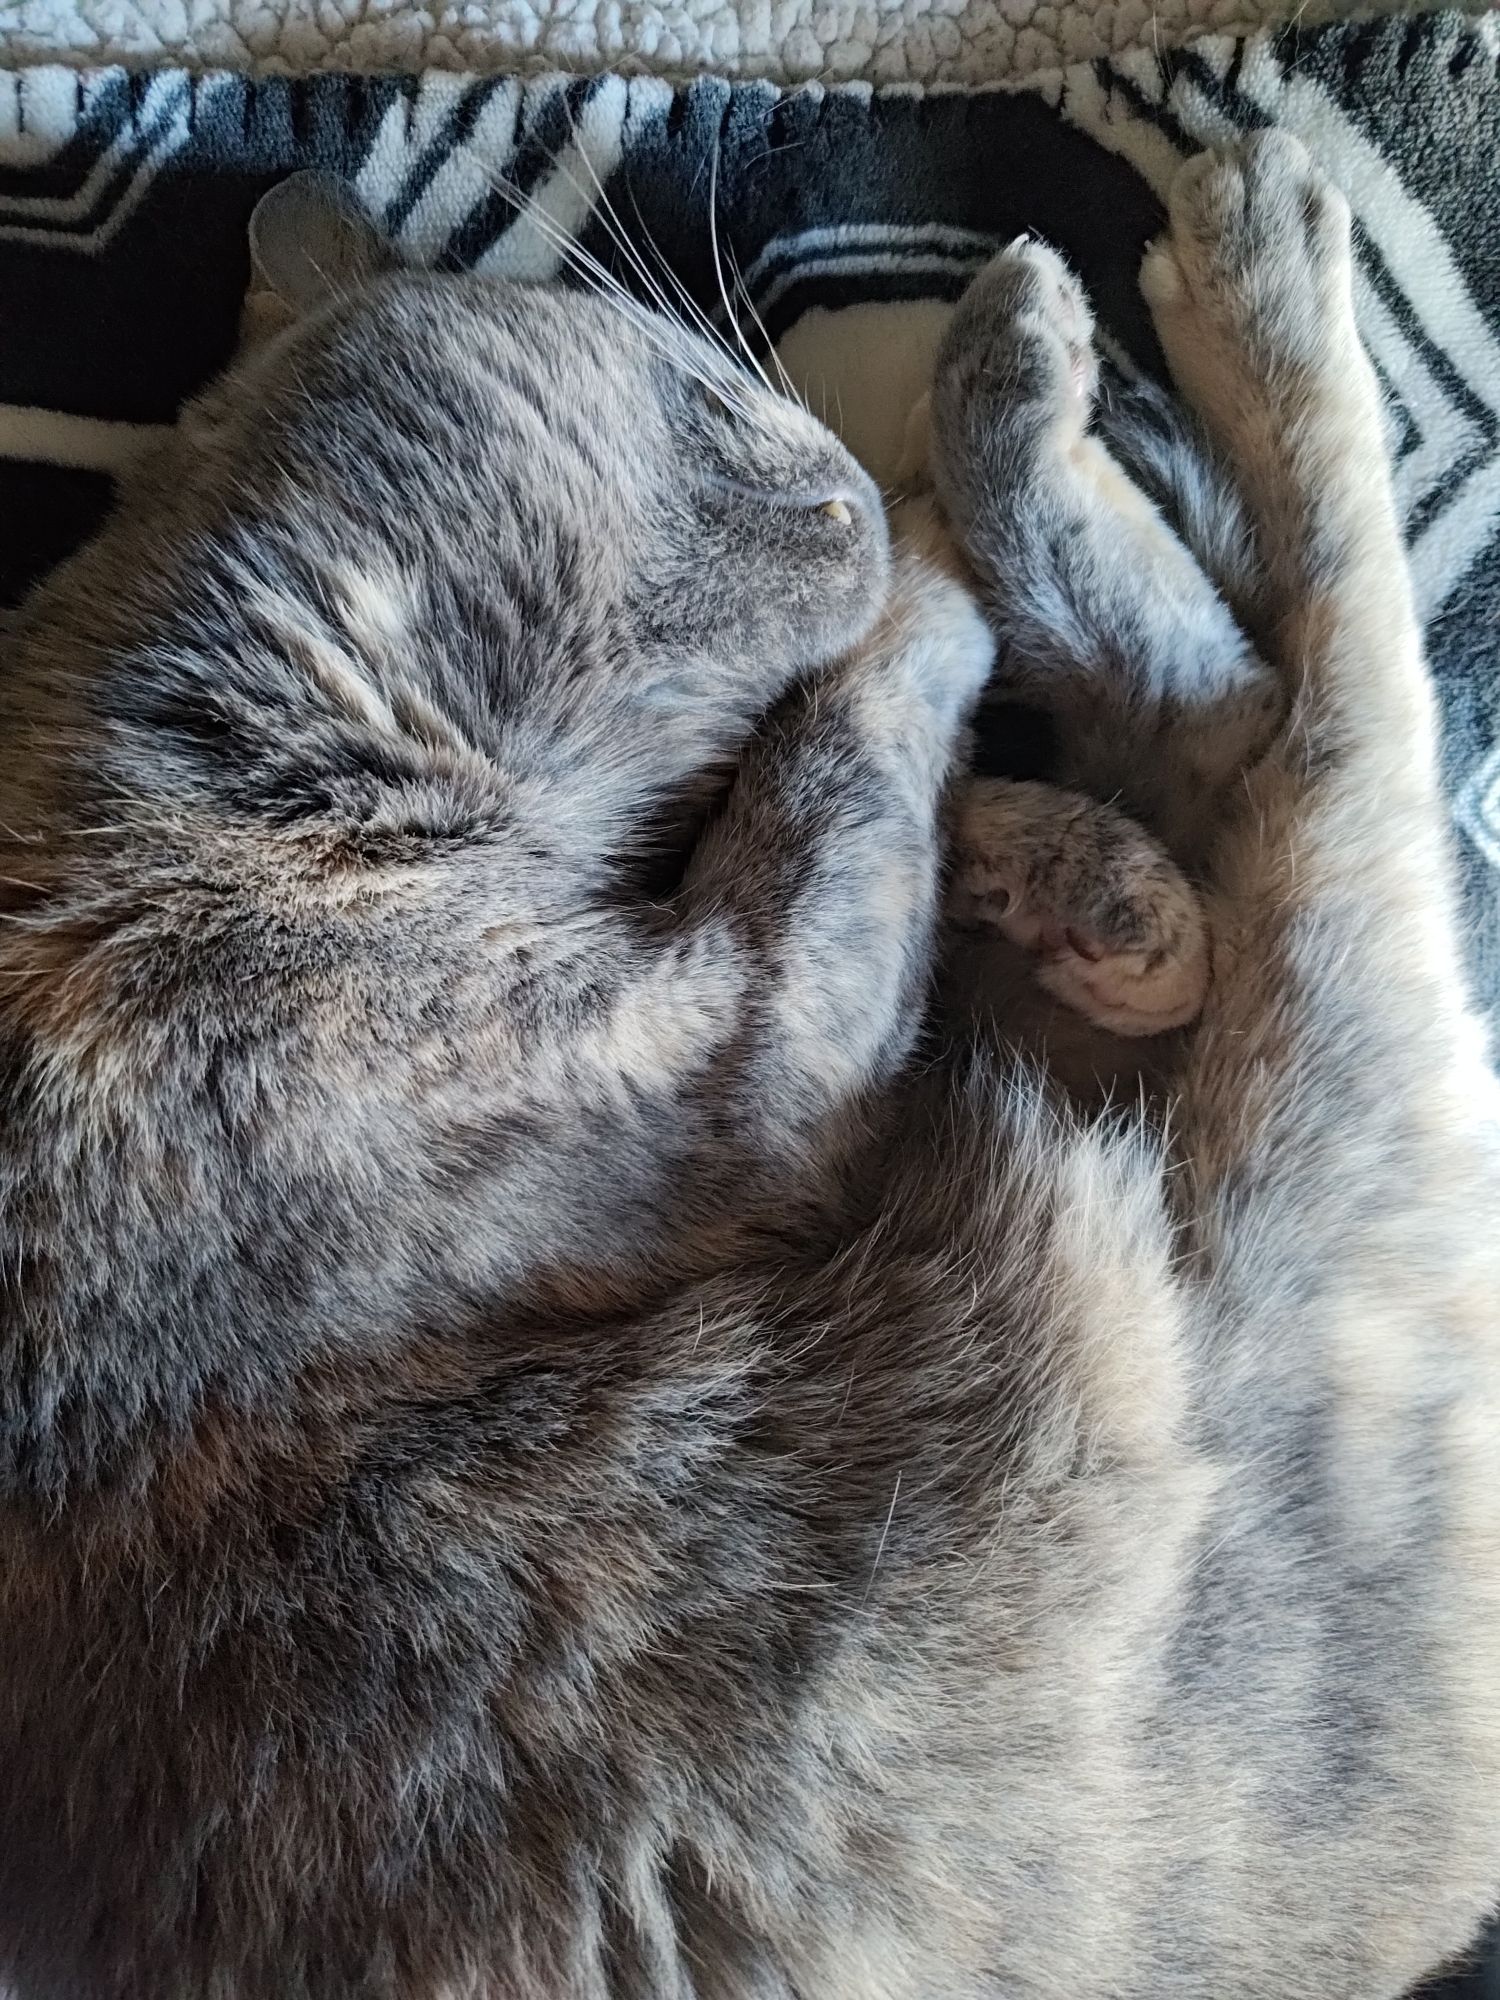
(311, 241)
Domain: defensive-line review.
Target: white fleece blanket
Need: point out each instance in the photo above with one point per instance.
(919, 41)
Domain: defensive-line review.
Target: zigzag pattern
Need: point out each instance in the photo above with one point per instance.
(127, 129)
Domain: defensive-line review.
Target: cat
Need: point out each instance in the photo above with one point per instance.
(310, 239)
(559, 1443)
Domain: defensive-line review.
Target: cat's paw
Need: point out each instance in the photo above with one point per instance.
(1021, 337)
(1116, 931)
(1254, 275)
(1028, 285)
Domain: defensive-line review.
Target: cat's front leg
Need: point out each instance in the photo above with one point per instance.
(700, 1062)
(822, 873)
(1103, 617)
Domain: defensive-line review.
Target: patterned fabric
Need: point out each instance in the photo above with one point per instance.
(124, 199)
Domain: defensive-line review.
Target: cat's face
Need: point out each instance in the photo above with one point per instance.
(735, 519)
(442, 555)
(606, 459)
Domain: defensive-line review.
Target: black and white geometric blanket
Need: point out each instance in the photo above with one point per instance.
(851, 215)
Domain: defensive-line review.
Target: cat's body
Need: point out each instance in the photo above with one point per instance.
(544, 1457)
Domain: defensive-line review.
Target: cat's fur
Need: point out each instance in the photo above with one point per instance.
(544, 1456)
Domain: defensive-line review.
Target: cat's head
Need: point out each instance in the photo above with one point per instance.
(441, 507)
(567, 443)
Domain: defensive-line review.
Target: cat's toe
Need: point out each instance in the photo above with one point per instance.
(984, 895)
(1114, 929)
(1137, 992)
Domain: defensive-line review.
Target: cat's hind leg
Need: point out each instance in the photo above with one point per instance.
(1336, 1195)
(1113, 927)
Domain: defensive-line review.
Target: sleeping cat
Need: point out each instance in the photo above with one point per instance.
(559, 1443)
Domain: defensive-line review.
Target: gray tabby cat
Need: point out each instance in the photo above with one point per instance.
(552, 1445)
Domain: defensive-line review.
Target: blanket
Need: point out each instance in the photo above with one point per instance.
(791, 41)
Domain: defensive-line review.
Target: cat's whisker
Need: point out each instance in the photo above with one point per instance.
(880, 1545)
(788, 387)
(603, 208)
(699, 324)
(627, 244)
(582, 261)
(701, 317)
(713, 238)
(674, 342)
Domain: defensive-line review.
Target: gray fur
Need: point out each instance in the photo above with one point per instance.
(547, 1453)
